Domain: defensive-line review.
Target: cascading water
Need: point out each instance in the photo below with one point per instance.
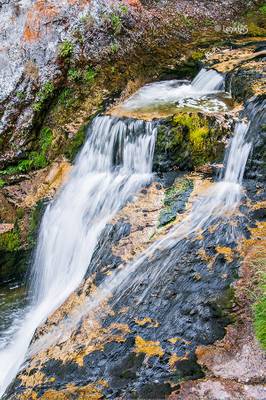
(115, 163)
(219, 203)
(204, 87)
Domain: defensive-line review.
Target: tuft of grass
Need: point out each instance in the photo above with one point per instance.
(21, 95)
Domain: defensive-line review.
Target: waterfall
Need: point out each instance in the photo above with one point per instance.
(221, 201)
(115, 162)
(207, 82)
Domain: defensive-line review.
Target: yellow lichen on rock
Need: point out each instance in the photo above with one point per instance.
(147, 347)
(147, 321)
(175, 358)
(227, 252)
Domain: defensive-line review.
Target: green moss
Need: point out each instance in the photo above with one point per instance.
(9, 241)
(175, 200)
(198, 134)
(256, 22)
(34, 223)
(186, 141)
(36, 159)
(66, 49)
(43, 95)
(197, 55)
(2, 183)
(90, 75)
(74, 75)
(75, 144)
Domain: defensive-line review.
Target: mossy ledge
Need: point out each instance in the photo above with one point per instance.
(189, 140)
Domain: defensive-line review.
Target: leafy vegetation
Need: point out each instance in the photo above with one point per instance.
(66, 49)
(2, 183)
(114, 47)
(74, 75)
(259, 307)
(36, 159)
(21, 95)
(263, 9)
(66, 97)
(43, 95)
(9, 241)
(89, 75)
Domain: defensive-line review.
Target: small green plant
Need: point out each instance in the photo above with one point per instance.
(9, 241)
(43, 95)
(2, 183)
(36, 159)
(116, 22)
(259, 307)
(21, 95)
(114, 47)
(123, 9)
(74, 75)
(66, 97)
(263, 9)
(20, 212)
(89, 75)
(66, 49)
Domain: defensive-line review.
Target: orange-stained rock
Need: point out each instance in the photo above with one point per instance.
(41, 12)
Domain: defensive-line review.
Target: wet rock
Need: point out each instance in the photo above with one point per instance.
(189, 140)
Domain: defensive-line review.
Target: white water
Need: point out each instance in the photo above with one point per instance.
(115, 163)
(221, 201)
(183, 93)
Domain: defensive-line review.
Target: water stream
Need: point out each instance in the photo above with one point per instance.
(115, 162)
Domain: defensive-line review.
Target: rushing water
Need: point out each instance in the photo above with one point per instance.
(202, 94)
(221, 201)
(114, 164)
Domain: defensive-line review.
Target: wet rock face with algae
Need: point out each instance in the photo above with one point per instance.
(132, 348)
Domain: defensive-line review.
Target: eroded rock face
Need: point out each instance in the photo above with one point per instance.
(43, 42)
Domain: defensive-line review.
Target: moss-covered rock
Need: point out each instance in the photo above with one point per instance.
(175, 200)
(188, 140)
